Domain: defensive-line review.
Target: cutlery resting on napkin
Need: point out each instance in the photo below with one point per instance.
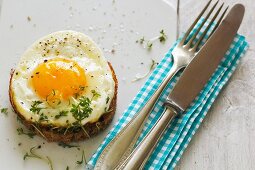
(183, 127)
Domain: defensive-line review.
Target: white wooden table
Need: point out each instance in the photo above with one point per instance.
(226, 138)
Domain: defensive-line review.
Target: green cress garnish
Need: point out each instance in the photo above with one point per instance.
(81, 110)
(65, 145)
(95, 94)
(152, 66)
(149, 45)
(29, 134)
(107, 99)
(35, 108)
(162, 37)
(32, 154)
(61, 114)
(43, 117)
(83, 159)
(4, 111)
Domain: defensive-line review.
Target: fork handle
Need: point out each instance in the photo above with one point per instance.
(123, 143)
(138, 157)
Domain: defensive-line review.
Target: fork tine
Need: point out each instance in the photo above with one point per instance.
(219, 21)
(202, 24)
(194, 23)
(194, 48)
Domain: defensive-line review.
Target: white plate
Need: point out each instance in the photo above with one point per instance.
(113, 25)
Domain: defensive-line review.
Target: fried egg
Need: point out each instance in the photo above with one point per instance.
(56, 75)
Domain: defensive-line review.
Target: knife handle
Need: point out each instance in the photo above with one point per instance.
(123, 143)
(140, 154)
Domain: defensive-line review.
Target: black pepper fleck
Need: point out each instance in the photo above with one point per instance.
(45, 61)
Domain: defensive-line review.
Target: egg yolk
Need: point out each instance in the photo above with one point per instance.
(58, 79)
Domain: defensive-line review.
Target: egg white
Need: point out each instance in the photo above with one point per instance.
(79, 48)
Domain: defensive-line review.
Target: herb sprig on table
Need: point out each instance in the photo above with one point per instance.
(65, 145)
(4, 111)
(29, 134)
(149, 43)
(83, 159)
(162, 37)
(152, 66)
(32, 154)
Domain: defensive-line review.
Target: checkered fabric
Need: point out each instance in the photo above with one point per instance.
(180, 132)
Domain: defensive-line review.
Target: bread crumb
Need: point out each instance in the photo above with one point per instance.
(28, 18)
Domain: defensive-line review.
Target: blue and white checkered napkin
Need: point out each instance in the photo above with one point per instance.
(181, 130)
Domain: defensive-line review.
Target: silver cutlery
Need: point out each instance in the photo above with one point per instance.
(122, 145)
(191, 82)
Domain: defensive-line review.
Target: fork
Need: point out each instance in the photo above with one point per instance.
(118, 153)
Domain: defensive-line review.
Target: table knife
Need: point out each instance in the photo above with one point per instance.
(191, 82)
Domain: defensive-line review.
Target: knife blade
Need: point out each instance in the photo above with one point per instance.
(206, 61)
(191, 82)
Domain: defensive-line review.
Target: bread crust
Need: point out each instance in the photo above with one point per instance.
(64, 134)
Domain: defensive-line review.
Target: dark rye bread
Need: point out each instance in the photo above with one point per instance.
(73, 134)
